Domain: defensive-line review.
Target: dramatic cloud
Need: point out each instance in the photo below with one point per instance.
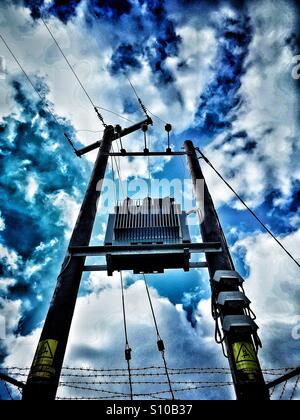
(261, 142)
(99, 324)
(220, 72)
(220, 98)
(41, 187)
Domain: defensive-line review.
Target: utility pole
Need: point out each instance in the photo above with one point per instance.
(229, 303)
(46, 367)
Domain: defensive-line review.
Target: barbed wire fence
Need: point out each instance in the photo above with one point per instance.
(86, 383)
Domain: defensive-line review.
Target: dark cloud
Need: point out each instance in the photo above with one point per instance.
(126, 58)
(199, 6)
(109, 9)
(220, 97)
(33, 149)
(157, 40)
(63, 10)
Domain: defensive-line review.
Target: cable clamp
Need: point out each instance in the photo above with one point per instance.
(128, 353)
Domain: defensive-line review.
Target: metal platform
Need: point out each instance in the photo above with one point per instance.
(145, 258)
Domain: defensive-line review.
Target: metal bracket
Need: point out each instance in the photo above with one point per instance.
(234, 300)
(239, 324)
(228, 278)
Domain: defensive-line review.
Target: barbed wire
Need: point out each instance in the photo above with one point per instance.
(142, 382)
(147, 368)
(144, 394)
(295, 387)
(83, 374)
(272, 391)
(283, 390)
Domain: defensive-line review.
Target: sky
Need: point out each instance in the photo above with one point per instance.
(221, 72)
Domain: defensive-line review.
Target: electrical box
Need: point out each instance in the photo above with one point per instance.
(147, 221)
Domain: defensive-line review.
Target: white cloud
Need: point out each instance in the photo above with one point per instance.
(197, 51)
(2, 222)
(11, 257)
(97, 336)
(32, 188)
(273, 286)
(5, 283)
(10, 311)
(69, 209)
(268, 113)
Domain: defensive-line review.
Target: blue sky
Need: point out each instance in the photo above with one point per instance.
(221, 73)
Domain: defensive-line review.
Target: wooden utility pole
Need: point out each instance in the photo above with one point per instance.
(46, 367)
(230, 305)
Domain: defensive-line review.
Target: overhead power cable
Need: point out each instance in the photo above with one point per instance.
(248, 208)
(43, 100)
(144, 109)
(89, 131)
(99, 115)
(115, 113)
(160, 343)
(127, 347)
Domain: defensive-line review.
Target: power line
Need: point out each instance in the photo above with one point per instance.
(89, 131)
(43, 100)
(156, 116)
(96, 107)
(67, 61)
(119, 175)
(248, 208)
(144, 109)
(127, 347)
(160, 342)
(115, 113)
(74, 73)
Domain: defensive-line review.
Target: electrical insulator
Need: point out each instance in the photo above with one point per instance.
(160, 345)
(168, 128)
(128, 354)
(118, 129)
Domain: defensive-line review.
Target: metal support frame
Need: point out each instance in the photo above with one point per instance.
(94, 251)
(247, 376)
(132, 154)
(46, 367)
(95, 267)
(284, 378)
(116, 136)
(11, 380)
